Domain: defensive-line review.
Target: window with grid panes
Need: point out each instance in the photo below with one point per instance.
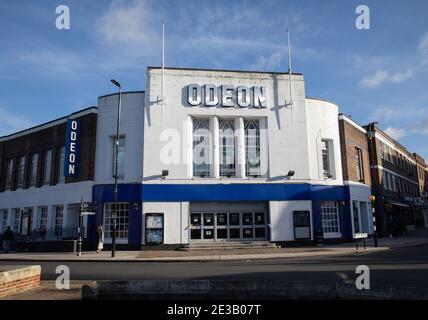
(121, 220)
(58, 220)
(252, 148)
(201, 148)
(227, 147)
(330, 216)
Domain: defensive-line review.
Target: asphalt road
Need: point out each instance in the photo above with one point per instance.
(403, 267)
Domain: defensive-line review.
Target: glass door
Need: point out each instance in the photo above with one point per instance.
(221, 226)
(208, 226)
(227, 226)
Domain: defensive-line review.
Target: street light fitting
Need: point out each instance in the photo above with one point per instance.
(116, 83)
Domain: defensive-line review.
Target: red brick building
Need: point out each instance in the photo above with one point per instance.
(356, 173)
(395, 183)
(37, 199)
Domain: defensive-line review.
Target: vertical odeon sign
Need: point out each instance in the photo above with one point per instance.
(71, 159)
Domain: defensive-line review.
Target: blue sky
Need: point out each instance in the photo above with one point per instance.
(379, 74)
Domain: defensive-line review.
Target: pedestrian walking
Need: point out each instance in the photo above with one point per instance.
(100, 237)
(7, 239)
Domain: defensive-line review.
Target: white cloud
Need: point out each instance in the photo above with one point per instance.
(384, 76)
(51, 61)
(268, 63)
(10, 122)
(421, 127)
(374, 80)
(389, 113)
(401, 76)
(127, 24)
(423, 48)
(395, 133)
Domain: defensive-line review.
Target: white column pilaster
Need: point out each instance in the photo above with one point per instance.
(240, 134)
(188, 145)
(215, 167)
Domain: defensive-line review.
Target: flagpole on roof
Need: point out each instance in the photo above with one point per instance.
(289, 68)
(162, 97)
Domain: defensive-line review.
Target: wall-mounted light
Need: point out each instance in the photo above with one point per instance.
(165, 173)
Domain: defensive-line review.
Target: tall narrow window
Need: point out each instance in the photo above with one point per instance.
(60, 165)
(43, 218)
(3, 219)
(356, 216)
(326, 158)
(47, 164)
(21, 171)
(58, 221)
(120, 158)
(201, 148)
(227, 148)
(252, 148)
(330, 217)
(17, 220)
(9, 174)
(33, 169)
(358, 165)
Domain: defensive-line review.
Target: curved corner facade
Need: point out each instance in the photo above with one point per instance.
(209, 156)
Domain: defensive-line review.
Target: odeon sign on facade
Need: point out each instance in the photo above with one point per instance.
(72, 148)
(210, 95)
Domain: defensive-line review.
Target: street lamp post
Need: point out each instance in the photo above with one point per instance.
(116, 190)
(372, 197)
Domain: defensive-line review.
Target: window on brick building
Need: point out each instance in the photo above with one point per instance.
(359, 165)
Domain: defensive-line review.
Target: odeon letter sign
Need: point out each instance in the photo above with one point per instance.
(227, 96)
(71, 158)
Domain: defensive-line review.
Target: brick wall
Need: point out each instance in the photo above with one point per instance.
(20, 279)
(50, 138)
(351, 138)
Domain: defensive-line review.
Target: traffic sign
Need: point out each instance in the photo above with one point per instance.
(89, 206)
(360, 235)
(88, 213)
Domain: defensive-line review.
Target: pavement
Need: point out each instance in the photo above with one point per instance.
(404, 265)
(48, 291)
(384, 244)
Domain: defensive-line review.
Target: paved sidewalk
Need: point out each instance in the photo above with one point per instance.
(217, 255)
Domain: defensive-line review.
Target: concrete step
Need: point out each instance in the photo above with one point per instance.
(229, 245)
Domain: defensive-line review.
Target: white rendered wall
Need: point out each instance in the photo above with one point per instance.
(66, 194)
(281, 218)
(322, 124)
(176, 220)
(286, 133)
(361, 193)
(131, 126)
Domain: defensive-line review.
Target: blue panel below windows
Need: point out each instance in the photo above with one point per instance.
(137, 193)
(218, 192)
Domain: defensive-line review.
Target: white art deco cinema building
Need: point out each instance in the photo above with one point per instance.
(213, 156)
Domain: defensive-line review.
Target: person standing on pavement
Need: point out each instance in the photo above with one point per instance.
(7, 239)
(100, 237)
